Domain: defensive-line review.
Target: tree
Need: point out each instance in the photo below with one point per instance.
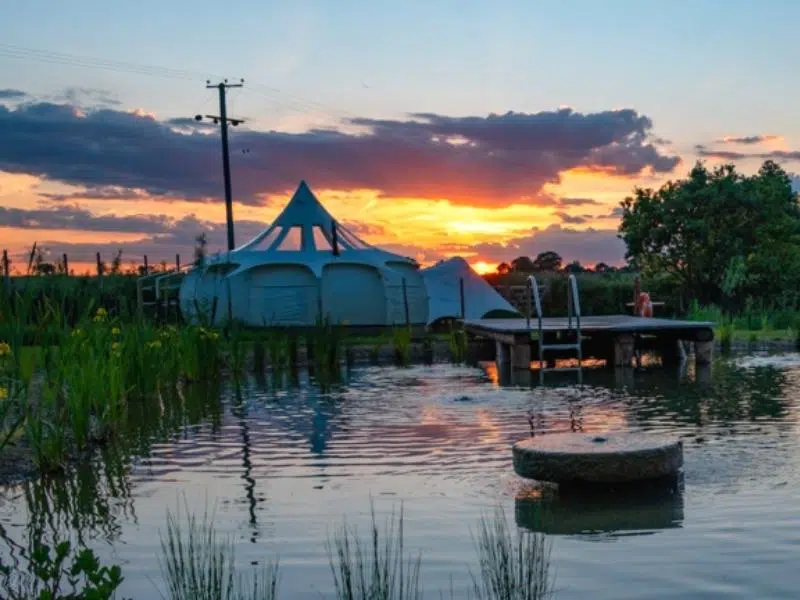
(503, 268)
(722, 236)
(523, 264)
(200, 244)
(547, 262)
(116, 263)
(602, 267)
(574, 267)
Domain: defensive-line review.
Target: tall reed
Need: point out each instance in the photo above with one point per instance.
(401, 337)
(457, 344)
(512, 566)
(326, 351)
(376, 568)
(197, 565)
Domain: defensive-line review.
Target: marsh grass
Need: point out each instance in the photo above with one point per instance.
(511, 565)
(457, 344)
(326, 351)
(375, 568)
(198, 565)
(401, 339)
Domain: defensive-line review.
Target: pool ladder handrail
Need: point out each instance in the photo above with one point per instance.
(573, 314)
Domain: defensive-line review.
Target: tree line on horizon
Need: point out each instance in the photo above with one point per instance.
(716, 237)
(550, 261)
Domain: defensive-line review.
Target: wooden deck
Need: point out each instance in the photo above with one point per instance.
(613, 337)
(611, 324)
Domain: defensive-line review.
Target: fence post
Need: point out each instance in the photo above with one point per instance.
(146, 268)
(66, 263)
(461, 295)
(405, 302)
(178, 262)
(6, 273)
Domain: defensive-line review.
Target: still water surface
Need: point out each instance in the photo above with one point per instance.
(282, 468)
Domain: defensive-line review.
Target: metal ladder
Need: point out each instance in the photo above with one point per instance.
(573, 315)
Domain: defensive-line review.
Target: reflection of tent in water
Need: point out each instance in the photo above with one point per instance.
(314, 418)
(636, 511)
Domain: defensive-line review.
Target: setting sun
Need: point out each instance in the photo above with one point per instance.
(482, 267)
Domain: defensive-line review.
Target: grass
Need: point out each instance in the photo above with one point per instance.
(197, 565)
(512, 566)
(375, 569)
(751, 325)
(457, 343)
(401, 339)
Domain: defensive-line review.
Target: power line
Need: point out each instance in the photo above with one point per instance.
(224, 120)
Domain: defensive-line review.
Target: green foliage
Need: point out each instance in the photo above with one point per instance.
(50, 574)
(721, 236)
(401, 338)
(326, 351)
(457, 344)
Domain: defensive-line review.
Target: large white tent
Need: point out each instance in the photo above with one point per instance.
(305, 266)
(481, 300)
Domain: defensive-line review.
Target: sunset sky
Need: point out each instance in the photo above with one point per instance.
(487, 130)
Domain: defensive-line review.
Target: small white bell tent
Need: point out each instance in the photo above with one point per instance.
(481, 300)
(305, 266)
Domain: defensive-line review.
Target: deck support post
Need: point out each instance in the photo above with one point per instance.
(521, 356)
(623, 350)
(704, 352)
(670, 352)
(502, 353)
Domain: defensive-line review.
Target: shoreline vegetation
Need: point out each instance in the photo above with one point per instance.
(198, 563)
(74, 365)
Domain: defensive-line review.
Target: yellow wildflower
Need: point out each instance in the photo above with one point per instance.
(101, 312)
(5, 349)
(115, 331)
(155, 344)
(115, 346)
(76, 332)
(3, 393)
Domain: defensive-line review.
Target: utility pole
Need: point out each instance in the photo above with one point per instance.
(223, 120)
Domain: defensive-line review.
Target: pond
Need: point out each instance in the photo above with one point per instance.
(281, 468)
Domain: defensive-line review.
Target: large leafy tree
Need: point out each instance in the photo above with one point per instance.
(522, 264)
(723, 236)
(547, 261)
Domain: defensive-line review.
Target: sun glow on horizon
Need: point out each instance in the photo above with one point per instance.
(482, 267)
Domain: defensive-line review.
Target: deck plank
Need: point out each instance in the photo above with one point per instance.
(599, 324)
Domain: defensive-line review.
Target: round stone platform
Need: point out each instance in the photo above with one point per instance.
(608, 458)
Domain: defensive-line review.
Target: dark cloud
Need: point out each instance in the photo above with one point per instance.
(70, 217)
(616, 213)
(161, 236)
(747, 139)
(589, 246)
(576, 201)
(659, 141)
(97, 193)
(11, 94)
(158, 242)
(494, 160)
(572, 219)
(776, 155)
